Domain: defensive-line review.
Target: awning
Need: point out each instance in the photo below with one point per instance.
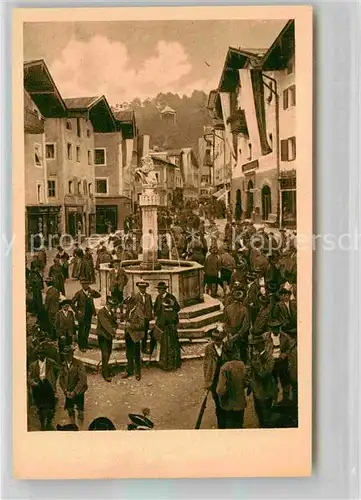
(221, 193)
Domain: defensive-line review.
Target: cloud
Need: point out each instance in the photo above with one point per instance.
(100, 66)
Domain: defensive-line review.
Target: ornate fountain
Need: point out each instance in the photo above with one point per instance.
(184, 278)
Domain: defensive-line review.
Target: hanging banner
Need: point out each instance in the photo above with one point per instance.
(252, 102)
(226, 112)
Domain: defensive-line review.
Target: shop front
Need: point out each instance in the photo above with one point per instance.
(288, 208)
(42, 221)
(75, 220)
(111, 212)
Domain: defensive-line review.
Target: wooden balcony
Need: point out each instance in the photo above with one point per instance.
(32, 123)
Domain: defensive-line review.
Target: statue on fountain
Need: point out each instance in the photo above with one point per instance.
(146, 173)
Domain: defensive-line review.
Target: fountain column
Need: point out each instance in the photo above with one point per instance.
(149, 203)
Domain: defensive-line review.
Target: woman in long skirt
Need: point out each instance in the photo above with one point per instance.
(170, 352)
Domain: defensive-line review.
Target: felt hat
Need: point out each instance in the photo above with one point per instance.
(84, 281)
(252, 275)
(218, 333)
(143, 284)
(141, 422)
(284, 291)
(68, 348)
(237, 285)
(65, 302)
(274, 323)
(237, 293)
(67, 427)
(162, 285)
(40, 349)
(111, 301)
(258, 270)
(49, 281)
(101, 424)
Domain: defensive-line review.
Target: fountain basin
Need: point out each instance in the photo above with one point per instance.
(185, 279)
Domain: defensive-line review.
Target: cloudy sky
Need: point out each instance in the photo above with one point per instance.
(124, 60)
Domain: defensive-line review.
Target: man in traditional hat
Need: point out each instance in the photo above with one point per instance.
(278, 345)
(286, 311)
(237, 323)
(51, 306)
(73, 382)
(56, 273)
(273, 273)
(264, 314)
(65, 326)
(145, 300)
(64, 261)
(252, 293)
(261, 380)
(227, 266)
(83, 306)
(43, 374)
(117, 281)
(106, 331)
(211, 271)
(214, 357)
(231, 387)
(134, 333)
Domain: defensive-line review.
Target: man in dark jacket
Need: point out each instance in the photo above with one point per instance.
(73, 382)
(134, 333)
(286, 312)
(106, 331)
(261, 380)
(83, 306)
(237, 324)
(43, 374)
(51, 307)
(214, 357)
(231, 387)
(145, 300)
(56, 273)
(117, 281)
(65, 326)
(278, 345)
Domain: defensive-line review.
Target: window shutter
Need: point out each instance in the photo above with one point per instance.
(285, 99)
(284, 150)
(293, 94)
(293, 139)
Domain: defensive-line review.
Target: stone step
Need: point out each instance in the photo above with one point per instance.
(119, 344)
(92, 358)
(209, 306)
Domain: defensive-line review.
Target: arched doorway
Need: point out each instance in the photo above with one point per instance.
(266, 202)
(238, 207)
(249, 199)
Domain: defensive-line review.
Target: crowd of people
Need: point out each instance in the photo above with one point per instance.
(253, 272)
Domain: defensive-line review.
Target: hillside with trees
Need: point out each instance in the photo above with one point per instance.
(191, 118)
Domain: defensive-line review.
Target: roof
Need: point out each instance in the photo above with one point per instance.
(168, 109)
(81, 102)
(41, 87)
(124, 116)
(282, 49)
(174, 152)
(96, 109)
(236, 59)
(125, 121)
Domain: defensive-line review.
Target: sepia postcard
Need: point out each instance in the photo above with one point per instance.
(162, 242)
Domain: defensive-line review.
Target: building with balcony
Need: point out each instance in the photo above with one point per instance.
(42, 102)
(254, 106)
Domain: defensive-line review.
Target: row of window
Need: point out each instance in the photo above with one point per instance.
(69, 126)
(288, 149)
(50, 154)
(74, 187)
